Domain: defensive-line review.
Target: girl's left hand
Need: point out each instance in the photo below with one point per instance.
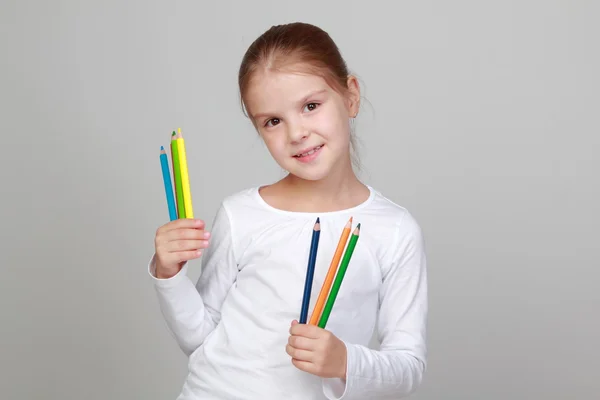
(317, 351)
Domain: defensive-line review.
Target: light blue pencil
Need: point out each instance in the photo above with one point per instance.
(168, 184)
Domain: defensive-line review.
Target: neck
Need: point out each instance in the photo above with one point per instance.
(337, 188)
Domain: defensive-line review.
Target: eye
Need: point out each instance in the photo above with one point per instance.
(272, 121)
(311, 106)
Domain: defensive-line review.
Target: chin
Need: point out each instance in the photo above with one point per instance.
(309, 176)
(309, 173)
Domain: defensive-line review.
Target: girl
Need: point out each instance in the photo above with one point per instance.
(238, 324)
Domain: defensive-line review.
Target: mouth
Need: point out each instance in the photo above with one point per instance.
(309, 152)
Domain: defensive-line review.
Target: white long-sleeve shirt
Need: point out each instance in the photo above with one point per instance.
(234, 322)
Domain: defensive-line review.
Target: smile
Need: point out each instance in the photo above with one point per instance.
(309, 152)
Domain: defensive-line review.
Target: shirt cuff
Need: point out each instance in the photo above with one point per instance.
(336, 388)
(166, 282)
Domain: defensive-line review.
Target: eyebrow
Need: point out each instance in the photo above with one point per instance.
(303, 100)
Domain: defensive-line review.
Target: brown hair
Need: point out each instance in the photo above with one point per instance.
(295, 44)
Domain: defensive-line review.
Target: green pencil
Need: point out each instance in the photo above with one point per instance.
(339, 277)
(177, 176)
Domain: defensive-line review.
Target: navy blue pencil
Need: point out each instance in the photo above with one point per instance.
(310, 271)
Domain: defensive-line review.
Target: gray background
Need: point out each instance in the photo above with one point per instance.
(482, 118)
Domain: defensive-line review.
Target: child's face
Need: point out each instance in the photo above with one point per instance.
(303, 121)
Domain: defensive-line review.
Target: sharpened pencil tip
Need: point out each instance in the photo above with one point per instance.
(318, 220)
(162, 148)
(358, 226)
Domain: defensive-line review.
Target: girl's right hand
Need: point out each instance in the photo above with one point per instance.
(177, 242)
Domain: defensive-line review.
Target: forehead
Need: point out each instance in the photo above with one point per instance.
(272, 90)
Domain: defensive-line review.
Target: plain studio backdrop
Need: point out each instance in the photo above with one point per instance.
(481, 118)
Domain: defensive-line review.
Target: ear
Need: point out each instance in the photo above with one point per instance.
(353, 99)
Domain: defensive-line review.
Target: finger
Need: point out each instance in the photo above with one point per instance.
(306, 330)
(301, 342)
(186, 233)
(305, 366)
(182, 256)
(181, 223)
(164, 234)
(186, 245)
(181, 235)
(299, 354)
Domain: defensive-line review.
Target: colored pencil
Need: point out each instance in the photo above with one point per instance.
(310, 271)
(185, 179)
(339, 277)
(331, 273)
(168, 184)
(177, 176)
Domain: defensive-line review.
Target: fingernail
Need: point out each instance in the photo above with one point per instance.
(206, 235)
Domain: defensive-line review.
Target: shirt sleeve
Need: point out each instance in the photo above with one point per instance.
(396, 369)
(191, 311)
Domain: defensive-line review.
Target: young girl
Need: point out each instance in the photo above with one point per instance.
(239, 323)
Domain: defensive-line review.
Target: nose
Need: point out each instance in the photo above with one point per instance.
(297, 132)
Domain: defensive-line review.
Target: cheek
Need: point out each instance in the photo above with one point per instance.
(275, 146)
(334, 127)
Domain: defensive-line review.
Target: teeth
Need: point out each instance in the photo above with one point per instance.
(308, 153)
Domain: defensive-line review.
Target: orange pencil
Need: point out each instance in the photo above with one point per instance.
(314, 318)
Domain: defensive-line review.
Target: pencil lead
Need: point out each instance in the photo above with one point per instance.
(162, 148)
(358, 226)
(318, 221)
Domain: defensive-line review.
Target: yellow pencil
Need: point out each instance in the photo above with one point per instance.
(185, 178)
